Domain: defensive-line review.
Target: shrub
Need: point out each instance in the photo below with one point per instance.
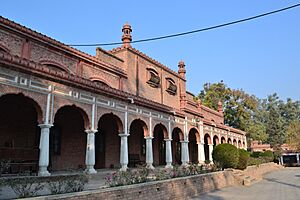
(66, 184)
(4, 165)
(255, 154)
(75, 184)
(128, 177)
(26, 186)
(268, 156)
(243, 159)
(255, 161)
(226, 155)
(162, 174)
(141, 175)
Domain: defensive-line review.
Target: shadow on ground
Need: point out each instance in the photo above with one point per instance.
(280, 182)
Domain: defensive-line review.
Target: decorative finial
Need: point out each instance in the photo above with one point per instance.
(181, 69)
(126, 37)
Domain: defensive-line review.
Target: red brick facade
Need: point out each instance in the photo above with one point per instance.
(109, 92)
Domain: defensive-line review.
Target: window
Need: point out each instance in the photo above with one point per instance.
(153, 78)
(100, 82)
(171, 86)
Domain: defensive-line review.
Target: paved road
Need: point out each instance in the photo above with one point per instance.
(279, 185)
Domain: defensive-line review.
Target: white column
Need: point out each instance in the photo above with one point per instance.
(245, 143)
(124, 151)
(281, 160)
(184, 152)
(90, 152)
(210, 147)
(168, 153)
(298, 160)
(201, 155)
(149, 152)
(44, 150)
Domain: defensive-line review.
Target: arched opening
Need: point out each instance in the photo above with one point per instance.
(207, 142)
(193, 147)
(244, 145)
(159, 146)
(216, 140)
(234, 142)
(107, 144)
(137, 143)
(68, 139)
(19, 132)
(223, 140)
(229, 141)
(177, 136)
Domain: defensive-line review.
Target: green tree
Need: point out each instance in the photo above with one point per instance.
(240, 109)
(256, 130)
(275, 122)
(293, 134)
(263, 119)
(213, 93)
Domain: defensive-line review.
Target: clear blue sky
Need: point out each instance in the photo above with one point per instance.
(260, 56)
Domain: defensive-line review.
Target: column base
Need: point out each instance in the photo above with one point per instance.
(150, 166)
(184, 164)
(123, 168)
(90, 170)
(43, 172)
(169, 166)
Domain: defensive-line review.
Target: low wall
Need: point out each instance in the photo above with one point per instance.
(177, 188)
(259, 171)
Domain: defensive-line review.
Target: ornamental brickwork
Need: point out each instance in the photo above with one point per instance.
(117, 109)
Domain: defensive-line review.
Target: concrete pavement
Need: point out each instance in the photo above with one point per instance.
(278, 185)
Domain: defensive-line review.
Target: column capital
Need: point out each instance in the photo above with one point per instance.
(91, 131)
(168, 139)
(184, 141)
(149, 137)
(200, 143)
(45, 125)
(123, 135)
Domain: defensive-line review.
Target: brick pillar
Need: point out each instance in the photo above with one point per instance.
(44, 150)
(90, 152)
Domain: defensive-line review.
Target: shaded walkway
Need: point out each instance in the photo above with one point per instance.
(278, 185)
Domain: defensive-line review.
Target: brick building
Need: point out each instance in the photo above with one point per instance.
(65, 109)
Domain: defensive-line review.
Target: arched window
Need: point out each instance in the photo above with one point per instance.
(100, 82)
(54, 66)
(153, 77)
(171, 86)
